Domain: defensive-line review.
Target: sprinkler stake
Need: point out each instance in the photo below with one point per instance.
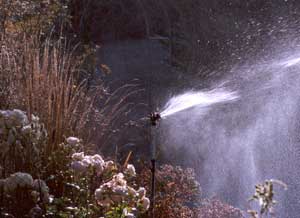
(154, 117)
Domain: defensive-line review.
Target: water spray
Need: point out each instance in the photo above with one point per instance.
(201, 99)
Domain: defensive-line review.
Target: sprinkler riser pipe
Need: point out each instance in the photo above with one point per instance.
(153, 169)
(154, 117)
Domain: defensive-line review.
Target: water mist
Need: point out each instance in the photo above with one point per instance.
(241, 133)
(202, 100)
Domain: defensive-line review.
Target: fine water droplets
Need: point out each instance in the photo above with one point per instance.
(200, 99)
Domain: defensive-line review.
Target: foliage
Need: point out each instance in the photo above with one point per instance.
(46, 76)
(43, 78)
(32, 16)
(22, 145)
(48, 79)
(20, 193)
(82, 185)
(214, 208)
(178, 195)
(264, 195)
(96, 187)
(178, 192)
(78, 183)
(22, 142)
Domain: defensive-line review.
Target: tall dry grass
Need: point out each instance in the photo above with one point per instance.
(41, 79)
(44, 78)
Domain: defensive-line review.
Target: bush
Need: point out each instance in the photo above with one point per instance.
(177, 191)
(80, 184)
(22, 142)
(214, 209)
(178, 195)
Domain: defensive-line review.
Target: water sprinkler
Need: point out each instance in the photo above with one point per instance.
(154, 118)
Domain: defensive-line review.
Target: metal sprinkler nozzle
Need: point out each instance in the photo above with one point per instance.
(154, 118)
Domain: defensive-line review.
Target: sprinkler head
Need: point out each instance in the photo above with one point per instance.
(154, 118)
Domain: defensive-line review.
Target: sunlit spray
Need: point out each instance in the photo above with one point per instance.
(238, 135)
(200, 99)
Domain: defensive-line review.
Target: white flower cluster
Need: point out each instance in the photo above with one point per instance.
(130, 170)
(38, 188)
(117, 191)
(15, 129)
(81, 163)
(13, 118)
(17, 180)
(73, 141)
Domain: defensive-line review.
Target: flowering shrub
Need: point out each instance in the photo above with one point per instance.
(21, 194)
(177, 191)
(216, 209)
(81, 163)
(82, 184)
(116, 196)
(22, 142)
(178, 195)
(118, 192)
(17, 180)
